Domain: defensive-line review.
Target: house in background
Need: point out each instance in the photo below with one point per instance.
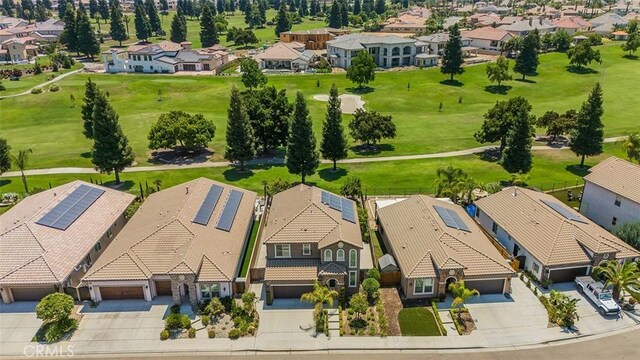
(186, 241)
(310, 235)
(285, 56)
(387, 50)
(487, 38)
(436, 243)
(548, 238)
(314, 39)
(411, 21)
(49, 240)
(611, 193)
(605, 23)
(572, 24)
(523, 27)
(435, 43)
(18, 49)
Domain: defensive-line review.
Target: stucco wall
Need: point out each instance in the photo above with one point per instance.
(598, 204)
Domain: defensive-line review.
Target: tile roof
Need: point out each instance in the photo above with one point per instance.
(529, 25)
(547, 235)
(423, 244)
(38, 254)
(297, 215)
(162, 239)
(356, 41)
(486, 33)
(291, 270)
(283, 51)
(614, 174)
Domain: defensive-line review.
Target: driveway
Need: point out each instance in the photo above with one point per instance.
(18, 325)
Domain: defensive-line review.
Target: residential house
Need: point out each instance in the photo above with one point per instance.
(46, 31)
(548, 238)
(314, 39)
(18, 49)
(387, 50)
(572, 24)
(606, 23)
(411, 21)
(620, 35)
(436, 243)
(487, 38)
(611, 194)
(186, 241)
(523, 27)
(285, 56)
(310, 235)
(435, 43)
(490, 8)
(50, 239)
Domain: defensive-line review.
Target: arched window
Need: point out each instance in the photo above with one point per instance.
(395, 51)
(340, 255)
(328, 255)
(353, 258)
(385, 51)
(406, 50)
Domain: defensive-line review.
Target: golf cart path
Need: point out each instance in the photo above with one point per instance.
(43, 85)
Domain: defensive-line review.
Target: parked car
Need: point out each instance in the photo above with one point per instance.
(600, 296)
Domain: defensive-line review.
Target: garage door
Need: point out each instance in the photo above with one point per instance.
(486, 286)
(566, 275)
(163, 287)
(289, 292)
(121, 292)
(31, 294)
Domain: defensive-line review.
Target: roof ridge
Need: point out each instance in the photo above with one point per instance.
(49, 267)
(205, 256)
(479, 252)
(28, 263)
(428, 253)
(289, 222)
(555, 239)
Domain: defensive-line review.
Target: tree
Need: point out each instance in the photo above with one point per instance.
(499, 71)
(239, 133)
(69, 36)
(190, 132)
(335, 20)
(381, 7)
(562, 41)
(283, 22)
(370, 287)
(302, 157)
(460, 296)
(499, 120)
(359, 304)
(369, 127)
(154, 17)
(90, 93)
(629, 233)
(55, 312)
(452, 58)
(517, 157)
(344, 13)
(631, 146)
(583, 54)
(208, 30)
(111, 151)
(588, 135)
(220, 6)
(334, 142)
(362, 69)
(252, 77)
(22, 161)
(320, 295)
(178, 28)
(632, 44)
(5, 156)
(373, 273)
(143, 27)
(621, 276)
(449, 182)
(88, 43)
(352, 188)
(357, 7)
(269, 112)
(557, 124)
(103, 9)
(7, 7)
(118, 30)
(564, 310)
(527, 60)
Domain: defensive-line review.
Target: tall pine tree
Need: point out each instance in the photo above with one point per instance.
(88, 43)
(178, 28)
(283, 23)
(302, 157)
(334, 141)
(335, 19)
(7, 7)
(69, 35)
(588, 134)
(103, 9)
(516, 157)
(154, 17)
(90, 94)
(239, 133)
(356, 7)
(93, 8)
(118, 28)
(143, 27)
(527, 60)
(453, 58)
(208, 31)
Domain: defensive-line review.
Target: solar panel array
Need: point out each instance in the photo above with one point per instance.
(208, 204)
(566, 213)
(229, 212)
(325, 197)
(348, 213)
(71, 207)
(345, 206)
(451, 218)
(334, 202)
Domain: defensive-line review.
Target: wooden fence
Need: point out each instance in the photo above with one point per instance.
(390, 278)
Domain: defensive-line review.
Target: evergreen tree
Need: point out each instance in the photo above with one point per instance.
(178, 28)
(527, 60)
(302, 157)
(334, 141)
(453, 58)
(118, 29)
(269, 111)
(88, 43)
(220, 6)
(41, 11)
(208, 31)
(356, 7)
(262, 10)
(242, 5)
(143, 27)
(248, 14)
(314, 8)
(588, 135)
(239, 134)
(381, 7)
(517, 157)
(5, 155)
(303, 10)
(90, 93)
(62, 8)
(111, 151)
(93, 8)
(69, 35)
(103, 10)
(283, 22)
(335, 19)
(47, 4)
(7, 7)
(80, 7)
(344, 14)
(499, 71)
(164, 6)
(154, 17)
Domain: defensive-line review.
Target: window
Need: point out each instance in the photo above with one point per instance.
(477, 212)
(353, 279)
(536, 267)
(617, 202)
(423, 286)
(614, 221)
(151, 67)
(208, 291)
(328, 255)
(283, 250)
(494, 228)
(109, 233)
(98, 247)
(306, 249)
(353, 258)
(340, 255)
(87, 260)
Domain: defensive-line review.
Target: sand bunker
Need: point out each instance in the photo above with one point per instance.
(349, 103)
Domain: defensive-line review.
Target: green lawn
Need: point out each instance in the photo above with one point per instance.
(562, 196)
(27, 81)
(418, 321)
(247, 254)
(420, 127)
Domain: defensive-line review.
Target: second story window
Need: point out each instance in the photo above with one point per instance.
(340, 255)
(328, 255)
(353, 258)
(306, 249)
(494, 228)
(614, 221)
(617, 202)
(283, 250)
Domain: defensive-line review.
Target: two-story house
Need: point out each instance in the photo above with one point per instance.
(310, 235)
(387, 50)
(611, 195)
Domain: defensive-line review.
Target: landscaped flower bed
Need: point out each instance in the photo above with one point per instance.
(361, 318)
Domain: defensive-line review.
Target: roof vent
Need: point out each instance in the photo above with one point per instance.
(515, 191)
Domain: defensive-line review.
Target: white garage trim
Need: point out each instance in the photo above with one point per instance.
(94, 288)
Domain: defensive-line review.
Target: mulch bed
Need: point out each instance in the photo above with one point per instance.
(392, 306)
(468, 325)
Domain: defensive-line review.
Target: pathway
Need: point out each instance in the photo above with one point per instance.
(334, 323)
(43, 85)
(278, 161)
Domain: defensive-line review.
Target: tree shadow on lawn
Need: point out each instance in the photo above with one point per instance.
(371, 149)
(329, 175)
(360, 89)
(630, 57)
(180, 157)
(4, 182)
(490, 155)
(498, 89)
(526, 81)
(123, 186)
(235, 174)
(86, 155)
(455, 83)
(577, 170)
(581, 70)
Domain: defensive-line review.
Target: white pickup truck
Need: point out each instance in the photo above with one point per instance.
(600, 296)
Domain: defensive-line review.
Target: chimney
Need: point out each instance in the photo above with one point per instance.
(186, 45)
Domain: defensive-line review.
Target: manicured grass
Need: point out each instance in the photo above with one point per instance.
(418, 321)
(562, 196)
(378, 244)
(420, 127)
(252, 242)
(27, 81)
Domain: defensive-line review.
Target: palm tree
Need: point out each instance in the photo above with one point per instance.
(22, 161)
(320, 295)
(461, 295)
(625, 276)
(632, 146)
(157, 183)
(448, 183)
(564, 310)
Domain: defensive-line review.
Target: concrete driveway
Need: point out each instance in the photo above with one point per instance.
(284, 318)
(18, 324)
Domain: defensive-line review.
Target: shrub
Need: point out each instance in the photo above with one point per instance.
(211, 333)
(185, 322)
(529, 283)
(373, 273)
(192, 333)
(175, 309)
(164, 334)
(54, 88)
(234, 334)
(205, 319)
(371, 286)
(535, 291)
(37, 90)
(173, 321)
(228, 303)
(434, 307)
(350, 311)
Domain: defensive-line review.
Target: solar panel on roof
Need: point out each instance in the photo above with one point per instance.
(325, 197)
(348, 213)
(451, 218)
(229, 212)
(566, 213)
(208, 204)
(71, 207)
(334, 202)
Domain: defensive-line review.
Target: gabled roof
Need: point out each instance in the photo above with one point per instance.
(486, 33)
(283, 51)
(32, 253)
(357, 41)
(616, 175)
(161, 238)
(423, 244)
(546, 234)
